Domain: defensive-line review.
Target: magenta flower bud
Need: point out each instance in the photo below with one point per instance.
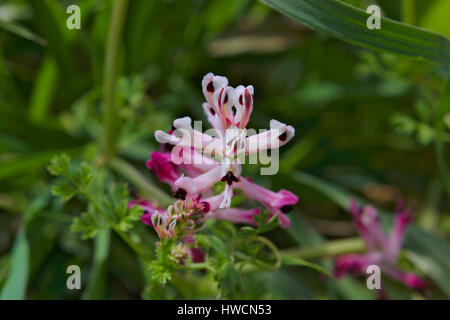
(198, 255)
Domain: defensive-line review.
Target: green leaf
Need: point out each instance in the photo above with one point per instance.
(64, 190)
(228, 278)
(44, 90)
(83, 175)
(218, 245)
(86, 224)
(24, 163)
(22, 32)
(348, 23)
(131, 215)
(15, 286)
(139, 180)
(163, 266)
(436, 18)
(59, 165)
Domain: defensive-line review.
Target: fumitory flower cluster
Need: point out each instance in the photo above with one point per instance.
(194, 163)
(382, 250)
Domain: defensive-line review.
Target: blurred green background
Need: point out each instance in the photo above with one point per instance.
(367, 123)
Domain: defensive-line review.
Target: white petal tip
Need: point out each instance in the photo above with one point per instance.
(183, 123)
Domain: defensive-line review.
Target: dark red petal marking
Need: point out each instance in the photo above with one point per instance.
(180, 194)
(225, 100)
(247, 99)
(283, 136)
(212, 111)
(240, 99)
(287, 208)
(210, 87)
(220, 97)
(229, 178)
(228, 122)
(206, 206)
(168, 147)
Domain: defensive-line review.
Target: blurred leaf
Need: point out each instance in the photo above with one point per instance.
(59, 165)
(97, 279)
(64, 190)
(14, 11)
(86, 224)
(297, 153)
(22, 32)
(15, 286)
(135, 177)
(218, 245)
(24, 163)
(51, 20)
(220, 13)
(436, 18)
(43, 90)
(348, 23)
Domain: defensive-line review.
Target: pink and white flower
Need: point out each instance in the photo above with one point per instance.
(209, 159)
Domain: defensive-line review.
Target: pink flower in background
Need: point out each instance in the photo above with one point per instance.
(382, 250)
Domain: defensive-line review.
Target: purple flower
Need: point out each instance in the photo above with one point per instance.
(382, 250)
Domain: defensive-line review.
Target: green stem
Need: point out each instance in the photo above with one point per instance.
(330, 248)
(97, 280)
(108, 138)
(260, 263)
(135, 177)
(197, 266)
(409, 11)
(439, 149)
(444, 106)
(132, 245)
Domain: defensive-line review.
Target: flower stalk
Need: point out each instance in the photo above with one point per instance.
(108, 139)
(327, 249)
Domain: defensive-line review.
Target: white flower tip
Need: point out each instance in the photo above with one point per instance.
(215, 81)
(183, 181)
(183, 123)
(163, 137)
(275, 124)
(290, 132)
(287, 132)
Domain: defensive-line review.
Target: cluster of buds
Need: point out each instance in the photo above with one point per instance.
(181, 253)
(187, 216)
(382, 250)
(180, 219)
